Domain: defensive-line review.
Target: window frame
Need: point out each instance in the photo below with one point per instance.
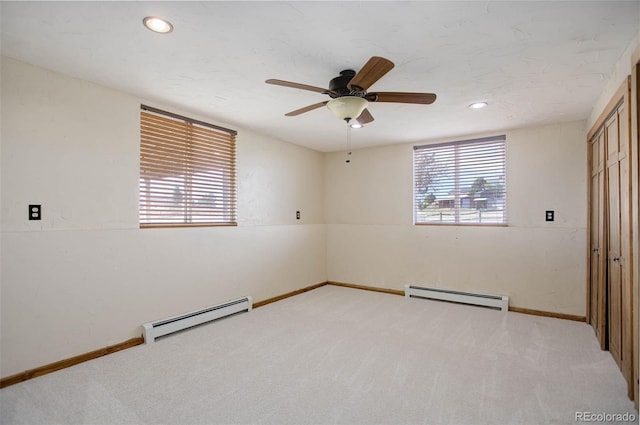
(200, 142)
(457, 196)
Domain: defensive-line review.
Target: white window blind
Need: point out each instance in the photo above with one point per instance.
(461, 182)
(187, 171)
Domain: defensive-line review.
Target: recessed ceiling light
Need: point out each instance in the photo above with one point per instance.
(158, 25)
(478, 105)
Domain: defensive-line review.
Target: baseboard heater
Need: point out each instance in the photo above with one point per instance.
(493, 301)
(153, 330)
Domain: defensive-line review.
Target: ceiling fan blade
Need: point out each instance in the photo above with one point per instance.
(297, 86)
(306, 109)
(371, 72)
(365, 117)
(402, 97)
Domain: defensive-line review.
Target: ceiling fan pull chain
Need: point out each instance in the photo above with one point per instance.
(348, 143)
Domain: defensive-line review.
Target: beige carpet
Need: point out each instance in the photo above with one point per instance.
(340, 356)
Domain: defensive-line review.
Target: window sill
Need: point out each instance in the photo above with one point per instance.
(464, 224)
(158, 226)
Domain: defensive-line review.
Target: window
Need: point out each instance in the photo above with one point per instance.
(461, 182)
(187, 171)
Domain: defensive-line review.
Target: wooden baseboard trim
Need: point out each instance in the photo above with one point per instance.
(72, 361)
(513, 309)
(548, 314)
(288, 294)
(368, 288)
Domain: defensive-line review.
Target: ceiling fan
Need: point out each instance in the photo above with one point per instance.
(348, 92)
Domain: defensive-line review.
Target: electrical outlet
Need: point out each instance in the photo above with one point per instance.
(297, 215)
(35, 212)
(549, 215)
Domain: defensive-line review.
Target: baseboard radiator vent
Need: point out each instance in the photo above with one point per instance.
(493, 301)
(153, 330)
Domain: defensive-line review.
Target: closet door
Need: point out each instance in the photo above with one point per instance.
(624, 163)
(597, 251)
(618, 239)
(610, 282)
(613, 239)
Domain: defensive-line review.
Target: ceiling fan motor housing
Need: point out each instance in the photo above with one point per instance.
(339, 84)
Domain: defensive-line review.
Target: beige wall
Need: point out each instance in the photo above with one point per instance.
(619, 73)
(86, 276)
(371, 238)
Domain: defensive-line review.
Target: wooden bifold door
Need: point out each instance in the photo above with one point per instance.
(609, 284)
(597, 281)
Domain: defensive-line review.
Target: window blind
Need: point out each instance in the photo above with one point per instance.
(461, 182)
(187, 171)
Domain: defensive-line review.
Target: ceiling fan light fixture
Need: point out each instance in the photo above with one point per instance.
(355, 124)
(347, 107)
(159, 25)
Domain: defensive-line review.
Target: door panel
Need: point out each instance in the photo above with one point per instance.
(626, 295)
(614, 271)
(594, 255)
(613, 239)
(597, 252)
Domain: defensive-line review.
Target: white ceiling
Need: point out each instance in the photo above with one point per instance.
(534, 62)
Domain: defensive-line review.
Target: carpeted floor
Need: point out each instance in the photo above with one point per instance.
(340, 356)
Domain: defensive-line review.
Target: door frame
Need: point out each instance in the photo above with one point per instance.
(635, 214)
